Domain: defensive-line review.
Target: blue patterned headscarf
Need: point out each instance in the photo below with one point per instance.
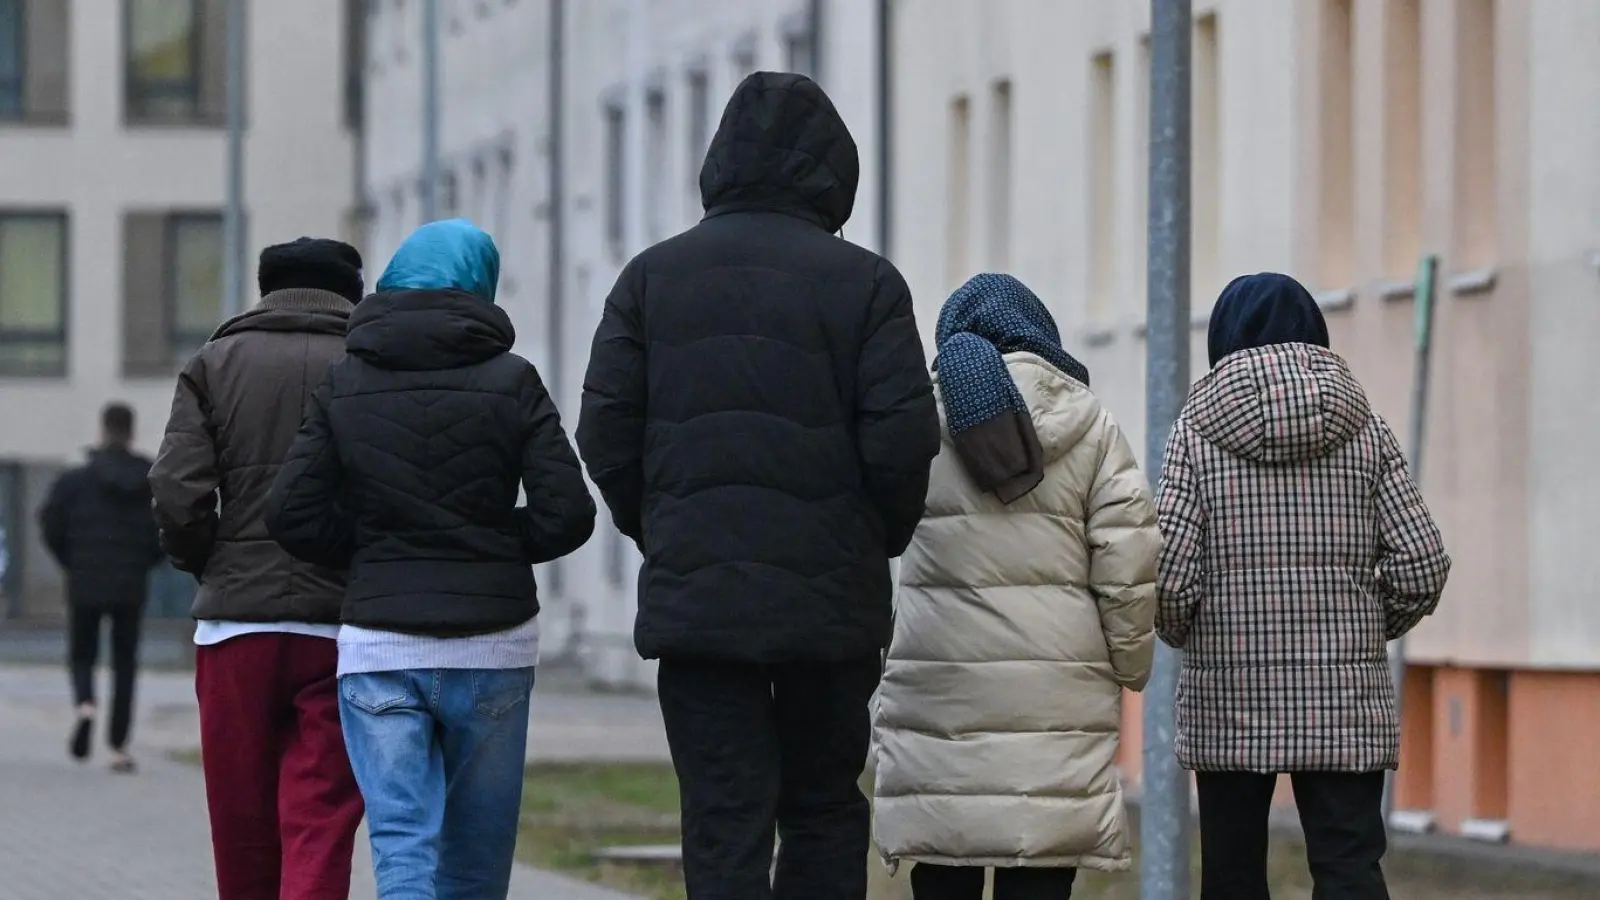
(449, 254)
(989, 316)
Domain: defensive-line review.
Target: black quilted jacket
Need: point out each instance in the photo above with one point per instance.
(757, 412)
(407, 467)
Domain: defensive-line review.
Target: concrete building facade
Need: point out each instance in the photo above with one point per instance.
(112, 162)
(1337, 140)
(642, 85)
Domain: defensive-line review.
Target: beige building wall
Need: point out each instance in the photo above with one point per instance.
(96, 168)
(1336, 140)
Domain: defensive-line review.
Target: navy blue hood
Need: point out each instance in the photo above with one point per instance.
(1259, 310)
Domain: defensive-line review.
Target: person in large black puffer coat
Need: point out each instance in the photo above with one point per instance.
(758, 416)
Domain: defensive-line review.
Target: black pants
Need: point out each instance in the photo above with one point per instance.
(83, 651)
(1342, 816)
(763, 746)
(966, 883)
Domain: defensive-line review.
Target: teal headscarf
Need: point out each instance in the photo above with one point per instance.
(449, 254)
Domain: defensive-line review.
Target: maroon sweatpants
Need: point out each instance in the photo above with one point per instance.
(284, 804)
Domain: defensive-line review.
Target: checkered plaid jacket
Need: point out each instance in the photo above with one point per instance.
(1297, 545)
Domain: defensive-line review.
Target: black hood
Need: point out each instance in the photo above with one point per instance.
(1262, 310)
(121, 472)
(428, 330)
(783, 147)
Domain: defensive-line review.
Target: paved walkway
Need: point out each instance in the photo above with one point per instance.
(78, 831)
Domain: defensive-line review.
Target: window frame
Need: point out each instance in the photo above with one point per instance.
(614, 217)
(180, 343)
(60, 336)
(17, 85)
(135, 92)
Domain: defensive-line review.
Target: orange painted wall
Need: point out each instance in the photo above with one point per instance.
(1469, 745)
(1555, 770)
(1415, 781)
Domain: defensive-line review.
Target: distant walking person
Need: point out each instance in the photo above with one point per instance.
(97, 524)
(1297, 545)
(759, 418)
(406, 471)
(1027, 603)
(283, 801)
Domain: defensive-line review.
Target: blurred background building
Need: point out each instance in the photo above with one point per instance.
(111, 197)
(1335, 139)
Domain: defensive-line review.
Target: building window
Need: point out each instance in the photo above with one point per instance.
(172, 283)
(33, 293)
(656, 186)
(1476, 134)
(800, 52)
(744, 57)
(699, 102)
(448, 205)
(999, 186)
(616, 179)
(958, 193)
(33, 61)
(175, 61)
(13, 53)
(1402, 151)
(1102, 188)
(1336, 147)
(355, 62)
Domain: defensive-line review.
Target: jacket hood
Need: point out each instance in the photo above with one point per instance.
(299, 310)
(428, 330)
(782, 146)
(121, 472)
(1283, 403)
(453, 254)
(1062, 408)
(1260, 310)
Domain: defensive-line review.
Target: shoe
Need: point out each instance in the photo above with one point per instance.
(82, 734)
(122, 763)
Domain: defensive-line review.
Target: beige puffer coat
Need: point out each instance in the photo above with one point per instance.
(1017, 627)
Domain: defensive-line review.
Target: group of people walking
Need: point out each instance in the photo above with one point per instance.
(342, 471)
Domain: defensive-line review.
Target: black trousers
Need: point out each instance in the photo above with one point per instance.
(966, 883)
(759, 748)
(1342, 815)
(83, 652)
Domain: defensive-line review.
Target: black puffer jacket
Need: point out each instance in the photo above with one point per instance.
(407, 466)
(757, 411)
(98, 525)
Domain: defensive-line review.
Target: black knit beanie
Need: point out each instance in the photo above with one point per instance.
(319, 263)
(1262, 309)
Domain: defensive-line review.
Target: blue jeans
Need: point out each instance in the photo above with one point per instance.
(439, 755)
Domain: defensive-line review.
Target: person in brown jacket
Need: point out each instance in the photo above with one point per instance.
(1297, 546)
(284, 804)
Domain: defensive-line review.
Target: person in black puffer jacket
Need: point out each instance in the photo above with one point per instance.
(97, 524)
(759, 418)
(406, 471)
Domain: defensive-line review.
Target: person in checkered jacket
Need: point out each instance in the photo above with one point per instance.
(1296, 546)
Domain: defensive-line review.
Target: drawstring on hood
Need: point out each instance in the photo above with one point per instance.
(782, 146)
(990, 423)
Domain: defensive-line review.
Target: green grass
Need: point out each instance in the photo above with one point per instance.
(569, 811)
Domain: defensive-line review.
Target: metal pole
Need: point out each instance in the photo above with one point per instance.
(430, 110)
(1427, 273)
(1164, 821)
(885, 124)
(233, 261)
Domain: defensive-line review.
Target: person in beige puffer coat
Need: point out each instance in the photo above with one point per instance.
(1026, 606)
